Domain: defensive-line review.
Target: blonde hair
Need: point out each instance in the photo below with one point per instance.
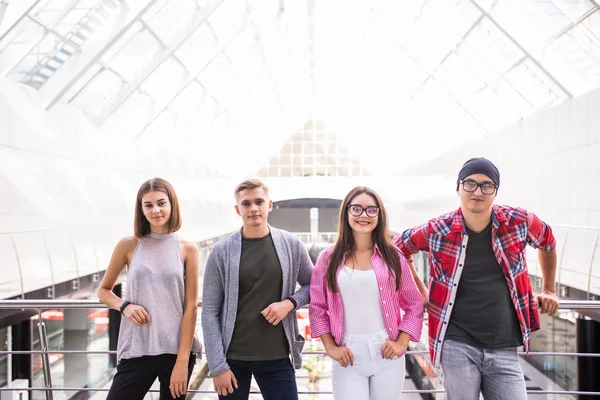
(250, 184)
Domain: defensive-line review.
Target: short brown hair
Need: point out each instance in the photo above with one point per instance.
(250, 184)
(141, 226)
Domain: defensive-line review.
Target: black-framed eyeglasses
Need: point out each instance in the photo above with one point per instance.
(471, 186)
(357, 210)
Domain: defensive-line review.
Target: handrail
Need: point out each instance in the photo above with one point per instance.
(208, 391)
(311, 352)
(49, 389)
(66, 228)
(68, 304)
(591, 228)
(50, 304)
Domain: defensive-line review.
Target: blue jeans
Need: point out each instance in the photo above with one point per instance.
(468, 371)
(275, 378)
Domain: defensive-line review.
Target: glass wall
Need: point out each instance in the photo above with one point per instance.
(72, 330)
(557, 334)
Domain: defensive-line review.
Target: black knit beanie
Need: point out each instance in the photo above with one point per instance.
(479, 165)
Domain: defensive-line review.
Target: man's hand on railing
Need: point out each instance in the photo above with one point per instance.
(547, 302)
(137, 314)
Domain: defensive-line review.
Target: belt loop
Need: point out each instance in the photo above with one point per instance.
(347, 339)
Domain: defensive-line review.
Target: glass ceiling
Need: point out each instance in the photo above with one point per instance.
(394, 80)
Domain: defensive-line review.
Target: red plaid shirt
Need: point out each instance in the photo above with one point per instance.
(445, 240)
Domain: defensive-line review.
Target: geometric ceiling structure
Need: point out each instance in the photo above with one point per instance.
(313, 151)
(415, 78)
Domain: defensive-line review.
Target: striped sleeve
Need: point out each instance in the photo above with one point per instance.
(318, 310)
(411, 302)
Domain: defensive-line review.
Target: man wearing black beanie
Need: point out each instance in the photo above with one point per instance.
(481, 306)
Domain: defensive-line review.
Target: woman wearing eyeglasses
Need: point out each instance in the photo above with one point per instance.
(365, 305)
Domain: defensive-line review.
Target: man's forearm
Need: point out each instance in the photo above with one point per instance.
(302, 296)
(547, 261)
(420, 285)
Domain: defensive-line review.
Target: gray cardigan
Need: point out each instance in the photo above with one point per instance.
(221, 289)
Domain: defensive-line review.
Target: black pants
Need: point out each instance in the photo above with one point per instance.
(135, 376)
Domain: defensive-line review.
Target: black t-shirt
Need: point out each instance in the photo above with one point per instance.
(484, 315)
(254, 339)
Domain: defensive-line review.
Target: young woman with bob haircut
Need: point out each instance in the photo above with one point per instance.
(157, 332)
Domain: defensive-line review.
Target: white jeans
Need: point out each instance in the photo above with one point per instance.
(372, 377)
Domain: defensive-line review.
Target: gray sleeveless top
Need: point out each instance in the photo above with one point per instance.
(155, 281)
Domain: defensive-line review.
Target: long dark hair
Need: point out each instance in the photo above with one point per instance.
(345, 246)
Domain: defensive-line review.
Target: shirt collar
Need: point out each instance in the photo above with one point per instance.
(376, 250)
(498, 218)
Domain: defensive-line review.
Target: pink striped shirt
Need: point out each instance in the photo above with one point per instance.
(326, 311)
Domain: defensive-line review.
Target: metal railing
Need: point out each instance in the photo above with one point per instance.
(49, 388)
(317, 238)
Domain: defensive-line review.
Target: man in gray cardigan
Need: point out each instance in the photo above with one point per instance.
(249, 302)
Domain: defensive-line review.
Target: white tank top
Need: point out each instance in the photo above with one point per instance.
(360, 299)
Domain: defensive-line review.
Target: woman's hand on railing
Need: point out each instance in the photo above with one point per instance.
(137, 314)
